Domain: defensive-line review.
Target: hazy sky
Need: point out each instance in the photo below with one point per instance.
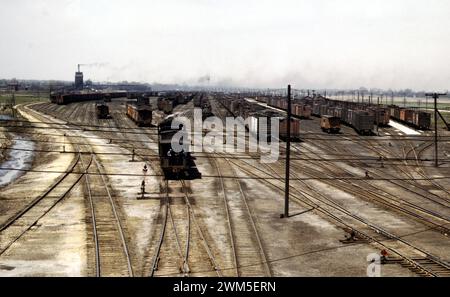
(254, 43)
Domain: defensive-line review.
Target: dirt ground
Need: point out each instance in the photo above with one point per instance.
(232, 207)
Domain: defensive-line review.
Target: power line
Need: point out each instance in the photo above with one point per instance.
(356, 138)
(239, 157)
(230, 177)
(304, 253)
(74, 124)
(152, 131)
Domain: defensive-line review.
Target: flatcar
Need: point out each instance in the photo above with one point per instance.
(330, 124)
(102, 111)
(173, 163)
(140, 114)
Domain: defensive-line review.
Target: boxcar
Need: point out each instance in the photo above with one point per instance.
(330, 124)
(260, 129)
(381, 116)
(315, 109)
(406, 115)
(294, 128)
(362, 121)
(102, 111)
(323, 109)
(167, 106)
(422, 120)
(140, 114)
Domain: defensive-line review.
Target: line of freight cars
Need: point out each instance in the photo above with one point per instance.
(169, 101)
(361, 120)
(254, 113)
(360, 116)
(416, 118)
(381, 114)
(298, 109)
(66, 98)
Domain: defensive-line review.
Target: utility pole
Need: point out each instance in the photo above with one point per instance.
(288, 155)
(13, 103)
(378, 113)
(435, 97)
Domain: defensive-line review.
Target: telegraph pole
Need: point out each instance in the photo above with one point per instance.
(13, 103)
(378, 113)
(288, 155)
(435, 97)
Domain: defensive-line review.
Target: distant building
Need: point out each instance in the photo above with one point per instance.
(78, 80)
(13, 85)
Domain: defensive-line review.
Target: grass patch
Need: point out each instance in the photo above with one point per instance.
(4, 99)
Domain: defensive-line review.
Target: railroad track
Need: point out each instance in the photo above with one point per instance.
(368, 191)
(201, 236)
(245, 255)
(20, 223)
(35, 201)
(183, 258)
(194, 236)
(107, 229)
(404, 171)
(108, 232)
(410, 186)
(417, 152)
(320, 203)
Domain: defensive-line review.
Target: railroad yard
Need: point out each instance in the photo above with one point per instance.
(88, 196)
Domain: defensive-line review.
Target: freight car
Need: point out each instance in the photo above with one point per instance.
(102, 111)
(174, 164)
(415, 118)
(330, 124)
(381, 116)
(143, 100)
(361, 121)
(166, 105)
(66, 98)
(406, 115)
(422, 120)
(198, 100)
(70, 97)
(107, 97)
(140, 114)
(258, 127)
(300, 110)
(294, 128)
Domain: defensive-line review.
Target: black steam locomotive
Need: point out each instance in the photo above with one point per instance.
(174, 164)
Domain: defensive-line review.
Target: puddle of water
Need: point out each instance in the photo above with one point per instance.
(16, 159)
